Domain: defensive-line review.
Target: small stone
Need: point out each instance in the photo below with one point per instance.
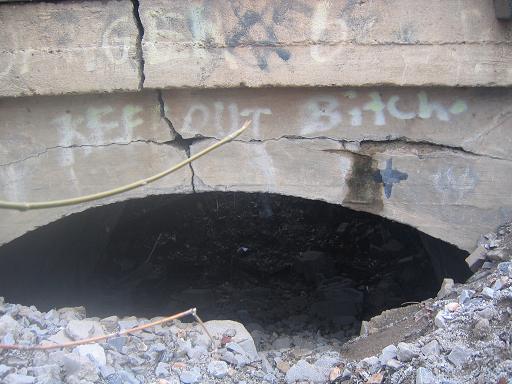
(393, 364)
(452, 307)
(283, 366)
(424, 376)
(14, 378)
(303, 371)
(488, 292)
(500, 283)
(192, 376)
(505, 268)
(80, 329)
(162, 369)
(334, 373)
(431, 348)
(446, 288)
(8, 325)
(372, 364)
(440, 320)
(388, 353)
(94, 352)
(218, 369)
(4, 369)
(282, 342)
(482, 328)
(111, 324)
(458, 356)
(72, 313)
(376, 378)
(128, 323)
(465, 295)
(106, 371)
(406, 352)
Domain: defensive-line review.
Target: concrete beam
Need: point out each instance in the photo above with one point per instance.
(324, 43)
(68, 47)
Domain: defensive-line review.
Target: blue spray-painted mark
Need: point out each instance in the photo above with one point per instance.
(389, 176)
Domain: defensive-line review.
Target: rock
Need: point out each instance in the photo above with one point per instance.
(195, 353)
(465, 295)
(83, 329)
(218, 369)
(162, 369)
(51, 370)
(283, 342)
(111, 324)
(376, 378)
(72, 313)
(458, 356)
(94, 352)
(118, 342)
(371, 364)
(128, 323)
(482, 328)
(217, 328)
(431, 348)
(14, 378)
(406, 352)
(496, 255)
(328, 360)
(240, 356)
(452, 307)
(488, 293)
(283, 366)
(476, 258)
(106, 371)
(446, 288)
(424, 376)
(123, 377)
(303, 371)
(8, 325)
(4, 369)
(192, 376)
(393, 364)
(505, 268)
(388, 353)
(440, 320)
(334, 373)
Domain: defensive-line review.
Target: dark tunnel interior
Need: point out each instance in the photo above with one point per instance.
(256, 258)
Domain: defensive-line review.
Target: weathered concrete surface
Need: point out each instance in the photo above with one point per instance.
(60, 147)
(96, 47)
(475, 120)
(68, 47)
(433, 158)
(312, 43)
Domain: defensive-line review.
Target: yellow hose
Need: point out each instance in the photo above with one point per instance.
(23, 206)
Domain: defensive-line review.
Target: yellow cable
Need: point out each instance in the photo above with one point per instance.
(23, 206)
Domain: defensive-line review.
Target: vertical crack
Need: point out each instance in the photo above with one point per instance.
(178, 141)
(138, 43)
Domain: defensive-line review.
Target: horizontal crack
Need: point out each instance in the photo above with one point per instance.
(72, 146)
(364, 144)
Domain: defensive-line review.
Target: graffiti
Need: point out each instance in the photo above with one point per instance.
(95, 126)
(454, 183)
(117, 40)
(324, 113)
(225, 118)
(389, 176)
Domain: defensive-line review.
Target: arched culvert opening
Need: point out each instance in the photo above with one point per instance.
(275, 263)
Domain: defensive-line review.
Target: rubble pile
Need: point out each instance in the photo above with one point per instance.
(461, 336)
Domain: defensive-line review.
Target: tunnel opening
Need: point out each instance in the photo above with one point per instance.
(277, 264)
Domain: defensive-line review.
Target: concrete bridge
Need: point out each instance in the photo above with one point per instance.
(400, 108)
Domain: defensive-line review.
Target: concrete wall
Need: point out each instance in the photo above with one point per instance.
(435, 158)
(93, 46)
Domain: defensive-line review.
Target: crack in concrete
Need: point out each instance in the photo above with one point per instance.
(179, 141)
(396, 141)
(73, 146)
(138, 43)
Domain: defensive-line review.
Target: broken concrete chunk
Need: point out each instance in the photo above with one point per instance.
(217, 328)
(94, 352)
(303, 371)
(388, 353)
(431, 348)
(424, 376)
(406, 352)
(446, 288)
(458, 356)
(476, 258)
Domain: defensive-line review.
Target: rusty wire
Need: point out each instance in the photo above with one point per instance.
(39, 347)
